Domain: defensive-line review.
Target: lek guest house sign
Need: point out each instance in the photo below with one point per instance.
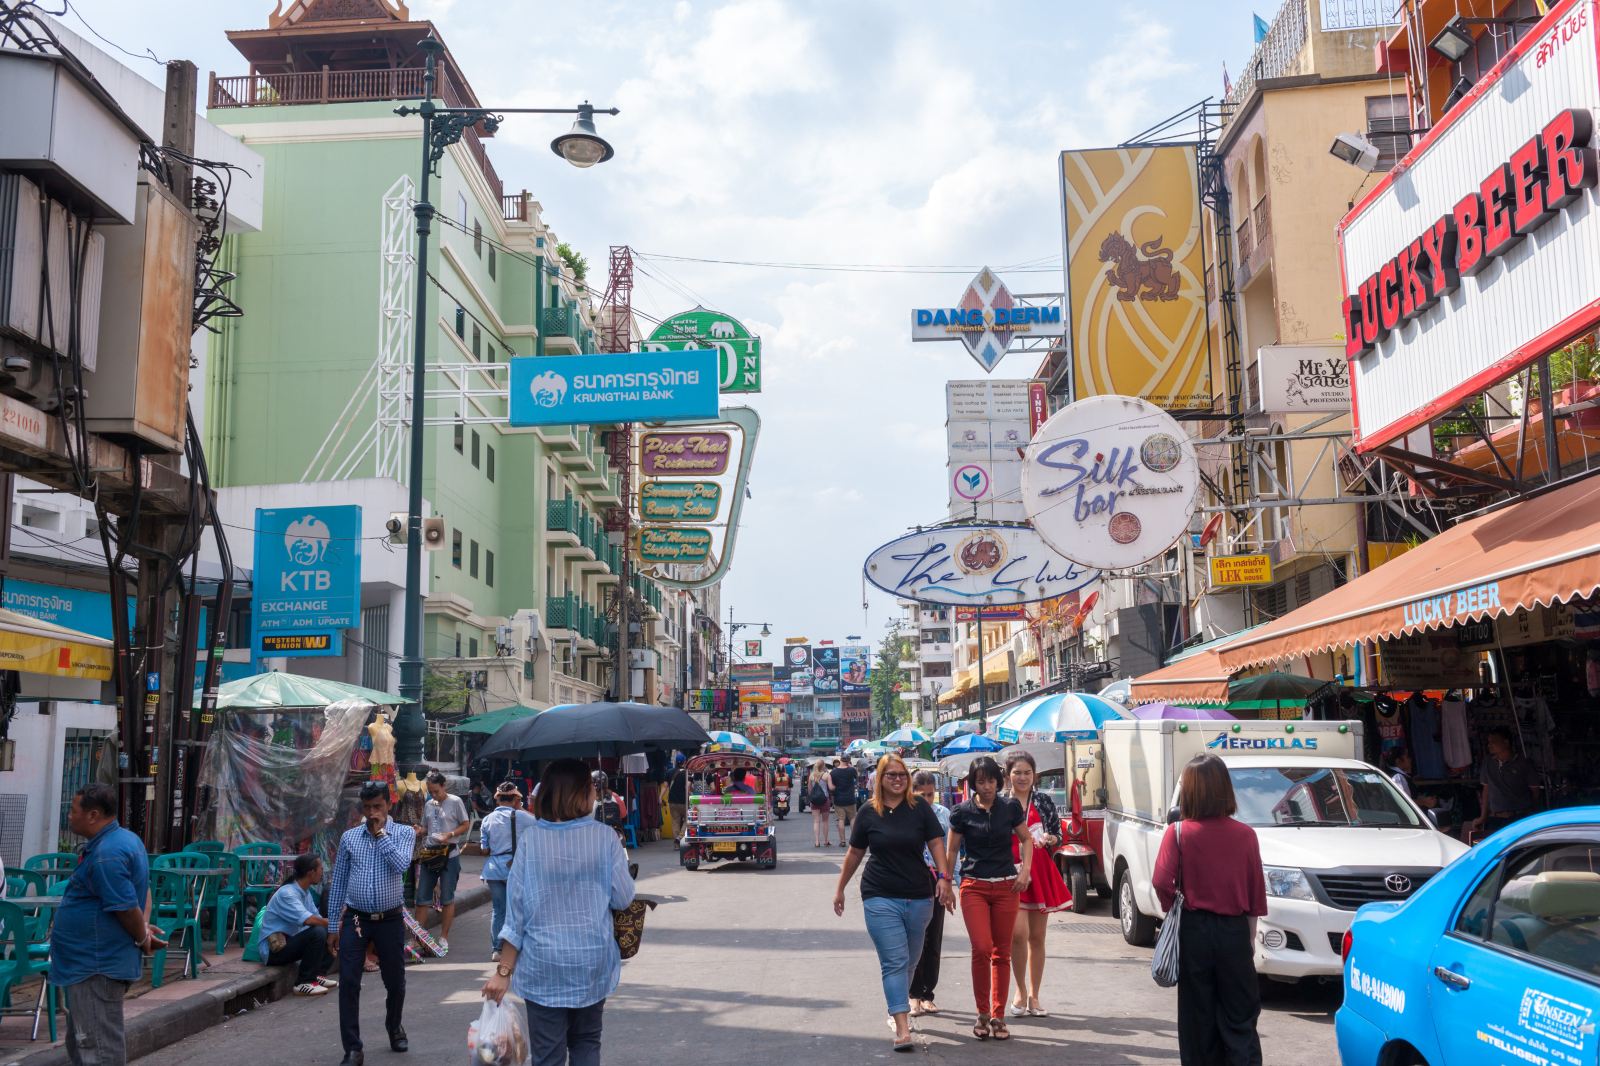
(1110, 481)
(705, 454)
(974, 564)
(1477, 254)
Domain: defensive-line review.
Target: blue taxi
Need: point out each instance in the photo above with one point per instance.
(1495, 960)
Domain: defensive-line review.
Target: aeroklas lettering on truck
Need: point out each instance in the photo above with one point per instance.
(1228, 742)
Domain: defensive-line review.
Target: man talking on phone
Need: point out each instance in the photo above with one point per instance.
(364, 906)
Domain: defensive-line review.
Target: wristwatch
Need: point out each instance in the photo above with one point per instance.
(502, 971)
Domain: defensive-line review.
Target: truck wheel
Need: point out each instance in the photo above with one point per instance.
(1078, 882)
(1102, 891)
(1137, 929)
(691, 864)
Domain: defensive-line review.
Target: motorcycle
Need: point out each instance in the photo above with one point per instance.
(780, 802)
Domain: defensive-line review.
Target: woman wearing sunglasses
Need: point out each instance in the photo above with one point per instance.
(898, 893)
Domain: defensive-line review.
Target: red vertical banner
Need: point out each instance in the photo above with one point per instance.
(1038, 406)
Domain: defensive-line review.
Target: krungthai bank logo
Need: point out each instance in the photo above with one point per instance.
(548, 389)
(306, 540)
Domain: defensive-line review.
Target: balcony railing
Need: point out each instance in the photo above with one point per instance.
(562, 611)
(1244, 239)
(1261, 215)
(1277, 55)
(560, 322)
(561, 516)
(517, 208)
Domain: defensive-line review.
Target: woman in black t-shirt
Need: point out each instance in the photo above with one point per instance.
(990, 886)
(897, 893)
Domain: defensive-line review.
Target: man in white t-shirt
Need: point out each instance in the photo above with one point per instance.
(445, 823)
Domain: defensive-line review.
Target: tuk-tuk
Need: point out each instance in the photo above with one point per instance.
(720, 825)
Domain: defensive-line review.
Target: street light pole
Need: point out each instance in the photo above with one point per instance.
(442, 127)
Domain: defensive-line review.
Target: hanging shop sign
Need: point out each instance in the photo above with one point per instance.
(1110, 482)
(674, 545)
(987, 319)
(755, 692)
(825, 670)
(986, 428)
(1234, 571)
(597, 389)
(1016, 613)
(307, 580)
(974, 564)
(1445, 296)
(1134, 275)
(1430, 659)
(738, 350)
(752, 648)
(1291, 378)
(1038, 405)
(855, 668)
(680, 501)
(704, 453)
(797, 657)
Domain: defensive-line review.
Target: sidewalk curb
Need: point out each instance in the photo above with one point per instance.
(165, 1025)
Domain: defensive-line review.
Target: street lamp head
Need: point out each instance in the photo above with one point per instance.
(582, 146)
(766, 631)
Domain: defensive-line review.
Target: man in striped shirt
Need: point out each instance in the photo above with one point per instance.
(364, 906)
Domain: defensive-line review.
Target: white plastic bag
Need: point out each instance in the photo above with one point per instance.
(498, 1037)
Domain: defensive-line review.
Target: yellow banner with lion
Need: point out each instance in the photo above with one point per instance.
(1135, 267)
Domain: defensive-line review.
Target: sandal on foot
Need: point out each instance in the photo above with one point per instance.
(980, 1029)
(998, 1030)
(916, 1009)
(930, 1007)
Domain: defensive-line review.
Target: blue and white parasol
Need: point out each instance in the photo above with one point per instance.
(1057, 717)
(722, 740)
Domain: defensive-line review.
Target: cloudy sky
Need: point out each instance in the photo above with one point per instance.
(906, 134)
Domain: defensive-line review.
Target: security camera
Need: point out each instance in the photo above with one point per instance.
(396, 527)
(1355, 150)
(17, 364)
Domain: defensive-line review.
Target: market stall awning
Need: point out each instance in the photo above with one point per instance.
(490, 721)
(35, 647)
(276, 689)
(1196, 679)
(1537, 552)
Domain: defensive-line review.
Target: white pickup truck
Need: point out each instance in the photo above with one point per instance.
(1335, 833)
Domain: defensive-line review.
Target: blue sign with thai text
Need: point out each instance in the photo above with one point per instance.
(84, 610)
(628, 387)
(307, 580)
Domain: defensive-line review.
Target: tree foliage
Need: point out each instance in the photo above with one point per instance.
(888, 679)
(576, 262)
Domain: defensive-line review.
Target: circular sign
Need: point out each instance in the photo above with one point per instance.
(971, 482)
(981, 553)
(1110, 481)
(799, 655)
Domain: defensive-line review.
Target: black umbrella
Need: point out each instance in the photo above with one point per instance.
(591, 729)
(1272, 691)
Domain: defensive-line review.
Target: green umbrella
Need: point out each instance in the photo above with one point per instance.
(1272, 691)
(490, 721)
(274, 689)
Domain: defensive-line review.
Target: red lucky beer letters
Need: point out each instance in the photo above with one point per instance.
(1516, 198)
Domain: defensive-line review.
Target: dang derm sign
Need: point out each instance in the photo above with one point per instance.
(628, 387)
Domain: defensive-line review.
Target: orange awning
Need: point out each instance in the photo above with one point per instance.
(1538, 552)
(1198, 679)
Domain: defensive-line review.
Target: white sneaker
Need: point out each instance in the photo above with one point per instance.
(444, 946)
(327, 982)
(495, 957)
(310, 989)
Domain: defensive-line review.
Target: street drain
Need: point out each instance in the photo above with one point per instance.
(1089, 927)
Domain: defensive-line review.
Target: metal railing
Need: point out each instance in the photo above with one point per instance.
(561, 516)
(559, 322)
(1243, 233)
(562, 611)
(1278, 53)
(1261, 217)
(517, 208)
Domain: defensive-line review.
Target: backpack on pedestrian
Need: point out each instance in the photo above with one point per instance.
(819, 794)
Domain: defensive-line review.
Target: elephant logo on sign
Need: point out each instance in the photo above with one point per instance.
(722, 330)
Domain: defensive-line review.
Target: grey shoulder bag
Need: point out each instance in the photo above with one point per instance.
(1164, 963)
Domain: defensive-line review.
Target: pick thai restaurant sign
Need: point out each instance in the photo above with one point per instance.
(974, 564)
(705, 454)
(1110, 482)
(1446, 294)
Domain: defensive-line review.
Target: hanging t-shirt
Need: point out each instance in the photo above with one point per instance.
(1391, 732)
(1427, 743)
(1456, 744)
(1538, 728)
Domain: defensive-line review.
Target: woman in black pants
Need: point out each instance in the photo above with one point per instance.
(925, 978)
(1215, 861)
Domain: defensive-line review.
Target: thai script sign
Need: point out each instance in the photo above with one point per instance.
(674, 545)
(680, 501)
(1135, 267)
(627, 387)
(1230, 571)
(974, 564)
(987, 319)
(738, 350)
(1110, 482)
(684, 453)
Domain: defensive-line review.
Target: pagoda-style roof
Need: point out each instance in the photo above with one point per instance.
(310, 36)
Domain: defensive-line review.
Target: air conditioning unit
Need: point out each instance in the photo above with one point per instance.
(433, 533)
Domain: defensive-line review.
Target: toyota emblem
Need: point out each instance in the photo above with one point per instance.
(1399, 884)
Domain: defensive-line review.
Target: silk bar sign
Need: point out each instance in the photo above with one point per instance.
(1516, 197)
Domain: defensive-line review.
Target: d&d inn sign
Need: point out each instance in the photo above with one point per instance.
(974, 564)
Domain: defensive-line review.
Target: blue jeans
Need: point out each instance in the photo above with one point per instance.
(897, 928)
(497, 912)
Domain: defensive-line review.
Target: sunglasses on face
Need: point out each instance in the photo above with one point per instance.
(894, 773)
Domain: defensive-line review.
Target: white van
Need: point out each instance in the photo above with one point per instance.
(1335, 833)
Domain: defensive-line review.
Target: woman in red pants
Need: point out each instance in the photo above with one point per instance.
(1047, 892)
(991, 883)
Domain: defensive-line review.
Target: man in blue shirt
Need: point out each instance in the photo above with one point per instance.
(100, 934)
(365, 907)
(293, 931)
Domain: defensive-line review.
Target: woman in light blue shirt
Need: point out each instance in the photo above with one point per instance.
(292, 914)
(498, 838)
(556, 947)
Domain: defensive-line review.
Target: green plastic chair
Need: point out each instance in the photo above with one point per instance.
(22, 959)
(57, 865)
(252, 945)
(32, 882)
(259, 880)
(225, 898)
(210, 847)
(172, 910)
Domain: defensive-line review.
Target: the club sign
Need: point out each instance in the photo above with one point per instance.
(680, 501)
(974, 564)
(1110, 481)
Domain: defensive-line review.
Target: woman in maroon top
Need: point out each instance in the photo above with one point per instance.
(1224, 892)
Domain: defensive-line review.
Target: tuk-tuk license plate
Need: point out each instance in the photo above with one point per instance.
(725, 847)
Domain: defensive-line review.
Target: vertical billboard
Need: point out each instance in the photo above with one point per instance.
(855, 668)
(1135, 275)
(986, 428)
(825, 670)
(307, 580)
(798, 658)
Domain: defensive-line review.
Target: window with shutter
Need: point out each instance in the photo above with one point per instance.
(488, 462)
(488, 568)
(1389, 128)
(461, 436)
(477, 238)
(476, 444)
(455, 548)
(491, 262)
(472, 557)
(477, 341)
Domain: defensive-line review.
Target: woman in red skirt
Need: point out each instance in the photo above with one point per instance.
(1046, 890)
